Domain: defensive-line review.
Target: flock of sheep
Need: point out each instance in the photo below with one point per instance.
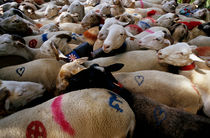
(104, 69)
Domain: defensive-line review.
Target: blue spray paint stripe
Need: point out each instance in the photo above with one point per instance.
(146, 24)
(44, 37)
(112, 99)
(158, 111)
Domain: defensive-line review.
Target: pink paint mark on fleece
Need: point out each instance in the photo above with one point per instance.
(59, 117)
(142, 4)
(149, 31)
(194, 87)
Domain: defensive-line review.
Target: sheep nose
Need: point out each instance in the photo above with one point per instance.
(43, 88)
(140, 41)
(160, 54)
(100, 36)
(106, 46)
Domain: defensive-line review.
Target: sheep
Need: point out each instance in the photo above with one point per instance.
(56, 117)
(167, 20)
(66, 17)
(17, 25)
(116, 8)
(140, 82)
(91, 19)
(51, 27)
(72, 27)
(154, 41)
(66, 71)
(200, 41)
(152, 118)
(144, 60)
(8, 6)
(78, 8)
(115, 38)
(153, 12)
(40, 39)
(179, 93)
(152, 30)
(47, 70)
(180, 54)
(108, 22)
(169, 6)
(47, 49)
(145, 4)
(181, 33)
(14, 95)
(49, 11)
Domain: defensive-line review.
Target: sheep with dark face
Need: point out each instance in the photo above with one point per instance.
(152, 118)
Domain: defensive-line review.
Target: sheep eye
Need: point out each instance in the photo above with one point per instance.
(121, 34)
(158, 39)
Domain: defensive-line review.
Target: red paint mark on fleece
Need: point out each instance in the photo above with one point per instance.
(142, 4)
(32, 43)
(151, 19)
(134, 26)
(149, 31)
(192, 24)
(203, 51)
(36, 130)
(152, 12)
(59, 116)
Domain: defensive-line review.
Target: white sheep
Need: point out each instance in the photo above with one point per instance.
(132, 60)
(180, 54)
(14, 95)
(89, 113)
(167, 88)
(200, 41)
(42, 71)
(37, 40)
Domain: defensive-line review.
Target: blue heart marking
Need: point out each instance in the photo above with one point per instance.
(159, 115)
(20, 71)
(139, 79)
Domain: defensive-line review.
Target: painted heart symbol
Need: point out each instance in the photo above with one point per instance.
(159, 115)
(20, 71)
(139, 79)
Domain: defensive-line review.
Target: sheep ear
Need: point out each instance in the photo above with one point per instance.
(3, 93)
(81, 60)
(132, 37)
(58, 54)
(193, 47)
(7, 104)
(114, 67)
(193, 57)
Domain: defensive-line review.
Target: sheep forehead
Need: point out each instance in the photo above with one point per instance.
(28, 87)
(179, 47)
(117, 27)
(5, 38)
(99, 68)
(168, 15)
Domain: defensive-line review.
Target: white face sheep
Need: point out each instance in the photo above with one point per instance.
(167, 20)
(180, 54)
(16, 94)
(77, 7)
(46, 69)
(154, 41)
(115, 38)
